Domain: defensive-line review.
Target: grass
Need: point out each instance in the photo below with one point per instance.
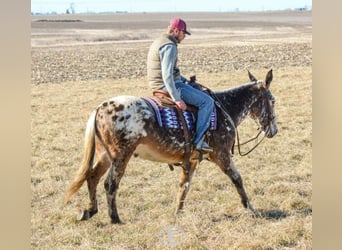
(277, 176)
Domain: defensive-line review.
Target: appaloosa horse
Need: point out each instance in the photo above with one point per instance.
(126, 125)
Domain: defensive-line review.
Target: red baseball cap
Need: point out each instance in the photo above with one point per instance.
(179, 24)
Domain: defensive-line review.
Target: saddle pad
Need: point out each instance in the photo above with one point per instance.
(167, 117)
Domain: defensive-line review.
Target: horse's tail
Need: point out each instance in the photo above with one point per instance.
(88, 157)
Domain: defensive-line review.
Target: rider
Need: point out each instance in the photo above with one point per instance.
(163, 73)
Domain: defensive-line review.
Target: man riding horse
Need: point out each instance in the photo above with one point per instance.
(163, 74)
(123, 126)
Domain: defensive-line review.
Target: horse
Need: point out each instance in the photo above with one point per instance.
(123, 126)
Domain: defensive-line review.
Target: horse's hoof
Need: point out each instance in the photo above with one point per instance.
(254, 213)
(84, 215)
(117, 221)
(179, 212)
(250, 207)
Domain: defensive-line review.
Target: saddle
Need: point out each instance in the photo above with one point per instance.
(168, 116)
(163, 99)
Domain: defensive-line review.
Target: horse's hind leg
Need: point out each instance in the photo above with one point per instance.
(98, 170)
(229, 169)
(111, 184)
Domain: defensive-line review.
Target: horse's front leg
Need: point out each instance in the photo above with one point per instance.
(235, 176)
(228, 167)
(184, 185)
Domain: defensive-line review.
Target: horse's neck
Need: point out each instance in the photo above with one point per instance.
(238, 101)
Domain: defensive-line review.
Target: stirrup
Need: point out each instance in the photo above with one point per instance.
(204, 148)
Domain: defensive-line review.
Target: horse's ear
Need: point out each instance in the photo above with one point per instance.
(269, 78)
(251, 77)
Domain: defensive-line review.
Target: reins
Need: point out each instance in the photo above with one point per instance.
(250, 140)
(218, 104)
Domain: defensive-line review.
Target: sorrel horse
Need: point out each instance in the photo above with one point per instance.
(125, 125)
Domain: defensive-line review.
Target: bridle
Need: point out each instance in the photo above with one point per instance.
(269, 116)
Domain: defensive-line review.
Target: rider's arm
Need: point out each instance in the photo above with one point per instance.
(168, 55)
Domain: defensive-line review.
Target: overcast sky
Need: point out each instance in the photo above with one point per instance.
(81, 6)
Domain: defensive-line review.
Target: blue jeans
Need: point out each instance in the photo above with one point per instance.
(203, 102)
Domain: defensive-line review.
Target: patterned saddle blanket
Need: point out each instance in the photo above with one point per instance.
(168, 117)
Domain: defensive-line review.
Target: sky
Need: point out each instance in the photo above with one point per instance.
(81, 6)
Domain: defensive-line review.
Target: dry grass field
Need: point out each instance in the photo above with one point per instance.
(80, 60)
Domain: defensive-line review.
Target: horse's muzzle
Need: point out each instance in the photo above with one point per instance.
(271, 131)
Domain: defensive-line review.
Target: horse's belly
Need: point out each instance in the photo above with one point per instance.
(153, 154)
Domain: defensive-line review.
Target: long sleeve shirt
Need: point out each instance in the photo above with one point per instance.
(168, 56)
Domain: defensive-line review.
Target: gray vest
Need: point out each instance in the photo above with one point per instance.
(154, 72)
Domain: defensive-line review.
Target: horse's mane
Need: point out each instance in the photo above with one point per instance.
(237, 98)
(232, 91)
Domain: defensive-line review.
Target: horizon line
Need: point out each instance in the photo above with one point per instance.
(299, 9)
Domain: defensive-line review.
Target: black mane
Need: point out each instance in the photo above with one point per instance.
(238, 99)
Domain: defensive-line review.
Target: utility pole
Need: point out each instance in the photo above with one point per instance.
(72, 8)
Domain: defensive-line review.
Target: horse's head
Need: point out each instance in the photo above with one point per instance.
(263, 109)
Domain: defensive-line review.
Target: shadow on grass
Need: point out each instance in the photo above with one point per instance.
(226, 217)
(261, 214)
(278, 214)
(273, 214)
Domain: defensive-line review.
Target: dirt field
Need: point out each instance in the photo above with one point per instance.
(80, 60)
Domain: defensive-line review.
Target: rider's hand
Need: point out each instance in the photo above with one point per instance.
(181, 104)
